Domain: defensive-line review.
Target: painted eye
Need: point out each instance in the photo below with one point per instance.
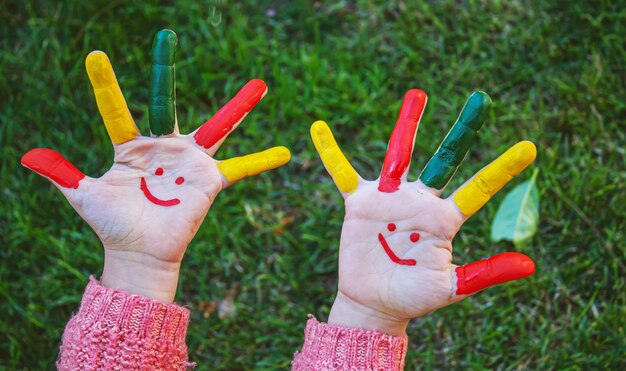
(158, 172)
(391, 227)
(180, 180)
(414, 237)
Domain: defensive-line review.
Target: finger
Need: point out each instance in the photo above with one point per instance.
(445, 162)
(338, 166)
(237, 168)
(52, 165)
(471, 196)
(113, 109)
(400, 149)
(497, 269)
(162, 107)
(211, 134)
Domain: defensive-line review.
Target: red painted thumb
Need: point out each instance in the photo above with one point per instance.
(497, 269)
(53, 165)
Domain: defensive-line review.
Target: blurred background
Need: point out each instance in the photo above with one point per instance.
(266, 254)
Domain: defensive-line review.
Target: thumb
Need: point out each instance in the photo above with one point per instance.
(52, 165)
(500, 268)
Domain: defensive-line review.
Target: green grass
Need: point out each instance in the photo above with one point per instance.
(556, 75)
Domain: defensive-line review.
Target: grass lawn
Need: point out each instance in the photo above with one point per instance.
(555, 72)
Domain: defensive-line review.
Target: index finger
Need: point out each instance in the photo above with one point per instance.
(111, 103)
(475, 193)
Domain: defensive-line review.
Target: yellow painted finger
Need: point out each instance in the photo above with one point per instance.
(475, 193)
(237, 168)
(113, 109)
(344, 175)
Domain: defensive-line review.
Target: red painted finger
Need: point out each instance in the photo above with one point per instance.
(400, 147)
(225, 120)
(53, 165)
(497, 269)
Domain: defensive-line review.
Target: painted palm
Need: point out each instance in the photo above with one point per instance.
(395, 257)
(153, 199)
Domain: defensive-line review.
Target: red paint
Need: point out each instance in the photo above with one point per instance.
(180, 180)
(158, 172)
(415, 237)
(391, 227)
(400, 148)
(222, 123)
(497, 269)
(53, 165)
(154, 200)
(391, 254)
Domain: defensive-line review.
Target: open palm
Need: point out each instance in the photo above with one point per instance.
(395, 257)
(155, 196)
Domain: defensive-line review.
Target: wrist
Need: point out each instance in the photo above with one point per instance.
(348, 313)
(140, 274)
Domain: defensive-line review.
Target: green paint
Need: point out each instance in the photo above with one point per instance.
(162, 106)
(444, 163)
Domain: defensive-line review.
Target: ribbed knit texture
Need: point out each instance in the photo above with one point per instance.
(114, 329)
(331, 347)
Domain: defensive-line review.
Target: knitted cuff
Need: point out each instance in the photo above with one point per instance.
(116, 328)
(133, 314)
(331, 347)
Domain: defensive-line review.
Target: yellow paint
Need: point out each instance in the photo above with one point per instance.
(338, 166)
(237, 168)
(473, 195)
(117, 119)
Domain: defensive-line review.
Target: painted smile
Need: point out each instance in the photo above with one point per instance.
(394, 258)
(155, 200)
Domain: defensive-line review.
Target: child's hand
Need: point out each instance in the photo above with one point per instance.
(395, 257)
(149, 205)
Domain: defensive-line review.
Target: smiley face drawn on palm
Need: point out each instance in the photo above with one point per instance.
(395, 252)
(181, 182)
(156, 194)
(394, 243)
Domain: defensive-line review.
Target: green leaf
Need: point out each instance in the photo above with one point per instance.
(518, 215)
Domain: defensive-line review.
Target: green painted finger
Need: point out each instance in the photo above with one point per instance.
(444, 163)
(162, 107)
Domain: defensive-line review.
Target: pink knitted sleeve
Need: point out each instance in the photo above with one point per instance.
(114, 329)
(331, 347)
